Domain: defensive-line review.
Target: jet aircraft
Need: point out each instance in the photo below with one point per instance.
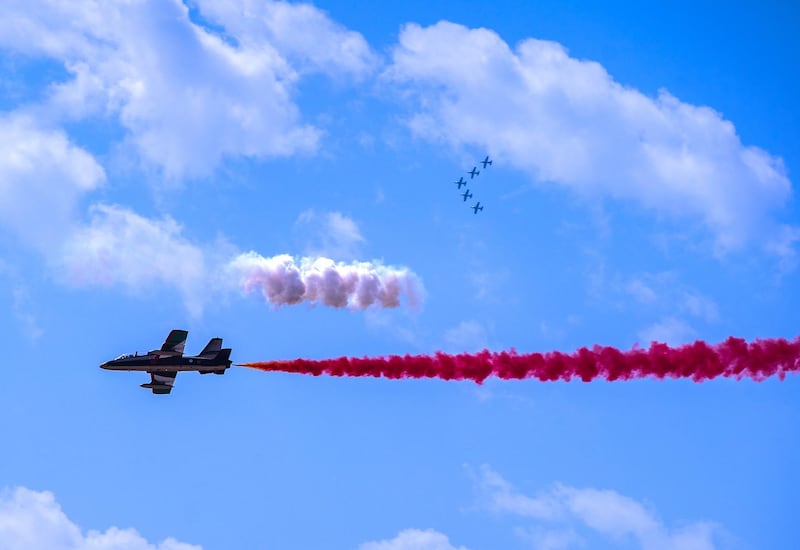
(474, 172)
(466, 194)
(486, 161)
(461, 181)
(164, 364)
(477, 207)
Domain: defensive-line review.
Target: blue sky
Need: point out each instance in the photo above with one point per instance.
(158, 158)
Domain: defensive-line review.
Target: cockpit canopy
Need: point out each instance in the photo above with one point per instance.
(125, 356)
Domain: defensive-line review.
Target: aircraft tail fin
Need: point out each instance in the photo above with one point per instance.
(224, 356)
(175, 342)
(212, 348)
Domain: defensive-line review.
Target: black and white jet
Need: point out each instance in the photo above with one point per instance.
(461, 181)
(474, 172)
(486, 161)
(476, 208)
(163, 365)
(467, 195)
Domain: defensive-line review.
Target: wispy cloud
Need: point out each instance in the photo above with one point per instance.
(669, 330)
(467, 336)
(23, 312)
(330, 234)
(641, 291)
(664, 291)
(565, 515)
(21, 301)
(665, 297)
(413, 539)
(33, 520)
(498, 495)
(551, 539)
(699, 306)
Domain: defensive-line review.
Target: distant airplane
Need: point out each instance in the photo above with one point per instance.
(474, 172)
(461, 181)
(486, 161)
(477, 207)
(466, 194)
(164, 364)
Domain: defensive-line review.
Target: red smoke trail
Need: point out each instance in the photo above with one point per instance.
(733, 358)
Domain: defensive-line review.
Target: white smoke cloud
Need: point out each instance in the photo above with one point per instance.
(566, 121)
(358, 285)
(33, 520)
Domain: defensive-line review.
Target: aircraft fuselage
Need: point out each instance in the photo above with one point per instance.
(156, 363)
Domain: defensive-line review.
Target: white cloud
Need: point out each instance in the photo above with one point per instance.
(120, 247)
(669, 330)
(566, 121)
(42, 178)
(604, 512)
(301, 32)
(413, 539)
(33, 520)
(186, 97)
(330, 234)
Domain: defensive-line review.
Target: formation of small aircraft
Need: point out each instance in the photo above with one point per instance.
(164, 364)
(472, 173)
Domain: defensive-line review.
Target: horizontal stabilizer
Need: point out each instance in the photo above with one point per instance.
(158, 389)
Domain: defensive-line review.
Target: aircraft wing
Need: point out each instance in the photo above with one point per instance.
(161, 382)
(175, 341)
(174, 344)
